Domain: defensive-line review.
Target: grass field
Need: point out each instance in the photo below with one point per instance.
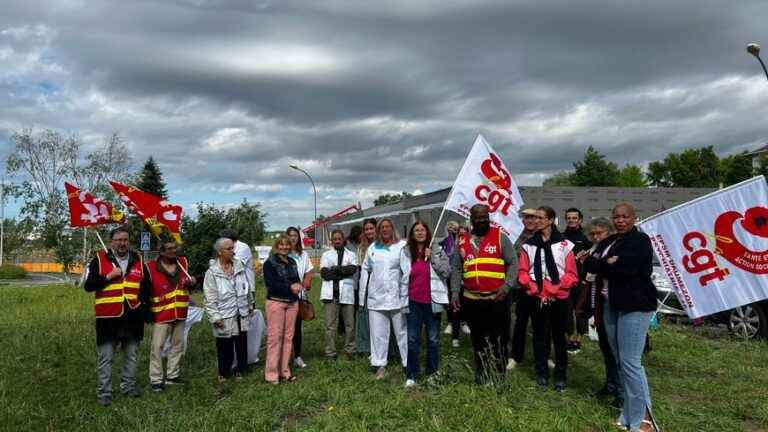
(47, 382)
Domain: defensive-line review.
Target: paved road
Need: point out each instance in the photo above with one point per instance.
(36, 279)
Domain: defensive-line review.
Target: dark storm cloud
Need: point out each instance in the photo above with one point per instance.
(381, 96)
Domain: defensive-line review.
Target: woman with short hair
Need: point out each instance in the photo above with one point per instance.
(383, 295)
(281, 278)
(228, 303)
(623, 263)
(547, 272)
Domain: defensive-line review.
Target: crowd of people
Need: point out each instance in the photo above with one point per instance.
(384, 294)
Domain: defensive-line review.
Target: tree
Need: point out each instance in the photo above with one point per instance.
(632, 176)
(15, 237)
(658, 174)
(735, 168)
(201, 232)
(690, 168)
(563, 178)
(387, 199)
(762, 168)
(44, 161)
(151, 179)
(594, 170)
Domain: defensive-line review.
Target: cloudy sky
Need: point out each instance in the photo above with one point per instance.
(377, 97)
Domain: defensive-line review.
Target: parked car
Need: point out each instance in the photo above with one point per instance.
(747, 322)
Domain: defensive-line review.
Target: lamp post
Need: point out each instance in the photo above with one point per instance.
(314, 189)
(754, 49)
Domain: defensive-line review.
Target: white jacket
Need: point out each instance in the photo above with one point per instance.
(383, 291)
(346, 286)
(227, 299)
(439, 272)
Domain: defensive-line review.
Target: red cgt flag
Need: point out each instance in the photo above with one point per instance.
(152, 209)
(86, 210)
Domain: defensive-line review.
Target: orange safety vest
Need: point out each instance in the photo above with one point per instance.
(484, 271)
(168, 303)
(108, 302)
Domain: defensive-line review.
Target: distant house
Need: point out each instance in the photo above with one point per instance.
(756, 154)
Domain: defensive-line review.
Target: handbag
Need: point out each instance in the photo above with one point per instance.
(306, 310)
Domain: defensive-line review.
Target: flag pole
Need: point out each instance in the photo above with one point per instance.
(442, 213)
(101, 241)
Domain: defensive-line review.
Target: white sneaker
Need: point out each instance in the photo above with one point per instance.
(511, 364)
(465, 329)
(299, 362)
(410, 383)
(551, 364)
(448, 329)
(455, 343)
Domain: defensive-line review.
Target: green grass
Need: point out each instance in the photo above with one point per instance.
(47, 382)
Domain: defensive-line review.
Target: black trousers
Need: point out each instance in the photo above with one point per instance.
(227, 349)
(549, 322)
(575, 325)
(297, 338)
(519, 333)
(489, 324)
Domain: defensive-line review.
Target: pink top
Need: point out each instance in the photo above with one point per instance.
(418, 285)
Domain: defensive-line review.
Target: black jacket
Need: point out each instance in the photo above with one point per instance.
(580, 243)
(630, 288)
(279, 275)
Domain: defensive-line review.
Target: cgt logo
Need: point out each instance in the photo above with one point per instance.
(755, 222)
(497, 197)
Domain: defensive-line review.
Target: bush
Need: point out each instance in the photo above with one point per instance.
(8, 271)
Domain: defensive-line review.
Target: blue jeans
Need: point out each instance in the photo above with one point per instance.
(626, 333)
(419, 316)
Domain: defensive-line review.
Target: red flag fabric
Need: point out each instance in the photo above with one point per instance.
(152, 209)
(86, 210)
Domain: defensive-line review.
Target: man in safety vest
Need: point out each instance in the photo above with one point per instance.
(486, 264)
(168, 301)
(116, 277)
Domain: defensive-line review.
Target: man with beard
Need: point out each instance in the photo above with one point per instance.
(576, 326)
(486, 264)
(116, 277)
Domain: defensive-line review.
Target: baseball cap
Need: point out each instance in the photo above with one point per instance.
(528, 212)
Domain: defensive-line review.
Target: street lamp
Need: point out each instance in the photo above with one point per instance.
(754, 49)
(314, 189)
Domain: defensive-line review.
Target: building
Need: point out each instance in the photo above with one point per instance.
(756, 155)
(592, 201)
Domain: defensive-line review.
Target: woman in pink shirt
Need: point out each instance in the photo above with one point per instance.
(424, 272)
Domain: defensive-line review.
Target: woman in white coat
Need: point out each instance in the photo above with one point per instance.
(228, 303)
(385, 297)
(425, 271)
(338, 267)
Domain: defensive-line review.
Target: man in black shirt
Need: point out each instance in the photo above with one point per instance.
(577, 326)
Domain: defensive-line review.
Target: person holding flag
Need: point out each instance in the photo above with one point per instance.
(116, 277)
(169, 302)
(486, 265)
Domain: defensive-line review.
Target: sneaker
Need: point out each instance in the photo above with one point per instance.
(298, 362)
(157, 388)
(560, 386)
(455, 343)
(511, 364)
(448, 329)
(465, 328)
(410, 383)
(551, 364)
(174, 381)
(381, 373)
(105, 401)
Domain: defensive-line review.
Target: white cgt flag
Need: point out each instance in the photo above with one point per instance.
(714, 249)
(485, 180)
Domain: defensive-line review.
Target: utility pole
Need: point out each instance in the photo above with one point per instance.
(2, 217)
